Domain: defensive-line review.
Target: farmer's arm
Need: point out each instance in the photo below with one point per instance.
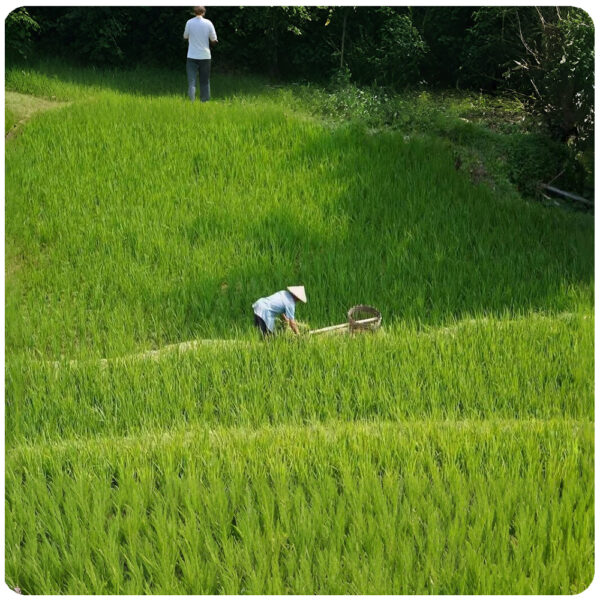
(293, 325)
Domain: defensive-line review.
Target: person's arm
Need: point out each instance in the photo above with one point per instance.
(293, 325)
(212, 36)
(186, 31)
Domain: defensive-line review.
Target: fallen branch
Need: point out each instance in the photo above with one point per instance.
(568, 195)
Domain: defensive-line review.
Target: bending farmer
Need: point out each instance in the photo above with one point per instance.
(201, 35)
(281, 303)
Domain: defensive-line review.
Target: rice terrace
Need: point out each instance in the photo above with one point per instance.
(155, 443)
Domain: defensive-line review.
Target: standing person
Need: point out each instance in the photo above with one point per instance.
(281, 303)
(201, 35)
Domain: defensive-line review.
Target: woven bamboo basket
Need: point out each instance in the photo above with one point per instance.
(363, 318)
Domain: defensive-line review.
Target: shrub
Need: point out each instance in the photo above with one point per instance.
(533, 159)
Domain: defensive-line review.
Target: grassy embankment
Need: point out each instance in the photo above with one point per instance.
(454, 453)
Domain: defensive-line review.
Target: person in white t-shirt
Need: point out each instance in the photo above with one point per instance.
(201, 35)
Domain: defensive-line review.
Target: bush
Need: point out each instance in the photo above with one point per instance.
(556, 71)
(533, 159)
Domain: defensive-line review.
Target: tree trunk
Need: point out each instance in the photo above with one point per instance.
(343, 38)
(274, 40)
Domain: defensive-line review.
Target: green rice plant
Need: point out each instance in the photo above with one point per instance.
(127, 231)
(56, 80)
(426, 507)
(529, 368)
(452, 452)
(10, 120)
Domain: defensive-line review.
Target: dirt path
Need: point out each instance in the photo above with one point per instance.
(179, 348)
(24, 106)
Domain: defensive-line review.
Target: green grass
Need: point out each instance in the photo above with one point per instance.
(54, 80)
(450, 453)
(10, 120)
(495, 140)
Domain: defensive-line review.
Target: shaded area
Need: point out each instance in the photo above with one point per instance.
(445, 247)
(418, 240)
(53, 78)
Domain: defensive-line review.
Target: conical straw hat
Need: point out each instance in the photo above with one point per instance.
(298, 291)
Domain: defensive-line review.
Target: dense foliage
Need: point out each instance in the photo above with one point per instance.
(19, 29)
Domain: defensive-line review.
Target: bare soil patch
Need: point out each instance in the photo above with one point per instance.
(24, 106)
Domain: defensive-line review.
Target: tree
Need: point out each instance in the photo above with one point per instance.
(266, 35)
(384, 47)
(545, 55)
(444, 32)
(19, 27)
(556, 70)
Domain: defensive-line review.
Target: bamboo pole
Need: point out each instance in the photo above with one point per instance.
(341, 326)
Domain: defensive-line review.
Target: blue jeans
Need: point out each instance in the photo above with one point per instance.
(200, 68)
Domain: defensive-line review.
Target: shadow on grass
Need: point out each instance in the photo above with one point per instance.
(397, 227)
(420, 242)
(55, 78)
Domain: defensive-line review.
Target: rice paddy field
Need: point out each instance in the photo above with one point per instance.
(452, 452)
